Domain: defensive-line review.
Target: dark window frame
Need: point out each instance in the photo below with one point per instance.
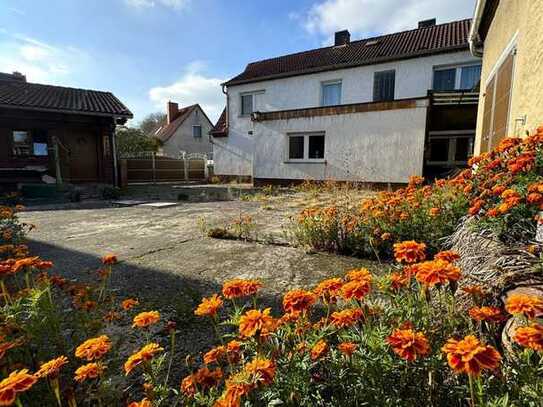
(384, 85)
(306, 137)
(36, 136)
(195, 126)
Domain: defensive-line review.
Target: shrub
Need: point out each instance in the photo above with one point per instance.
(503, 189)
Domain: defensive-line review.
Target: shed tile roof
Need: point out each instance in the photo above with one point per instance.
(25, 95)
(448, 37)
(220, 129)
(167, 131)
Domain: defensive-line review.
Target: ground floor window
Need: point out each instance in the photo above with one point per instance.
(450, 149)
(27, 143)
(305, 146)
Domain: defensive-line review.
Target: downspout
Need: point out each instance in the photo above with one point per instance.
(476, 45)
(114, 152)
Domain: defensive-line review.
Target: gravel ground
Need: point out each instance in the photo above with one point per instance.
(167, 263)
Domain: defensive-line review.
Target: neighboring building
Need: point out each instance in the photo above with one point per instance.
(374, 110)
(508, 34)
(38, 120)
(186, 131)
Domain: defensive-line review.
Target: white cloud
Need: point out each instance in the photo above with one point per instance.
(39, 61)
(175, 4)
(367, 17)
(192, 87)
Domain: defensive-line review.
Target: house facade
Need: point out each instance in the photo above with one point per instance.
(508, 35)
(64, 133)
(359, 111)
(186, 131)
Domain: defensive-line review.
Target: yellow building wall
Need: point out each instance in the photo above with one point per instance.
(522, 18)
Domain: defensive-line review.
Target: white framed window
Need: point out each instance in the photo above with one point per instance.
(459, 77)
(331, 93)
(249, 102)
(305, 147)
(450, 148)
(197, 131)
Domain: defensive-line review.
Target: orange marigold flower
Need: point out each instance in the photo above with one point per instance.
(355, 289)
(530, 337)
(88, 371)
(144, 319)
(399, 280)
(529, 305)
(435, 272)
(298, 301)
(256, 322)
(347, 348)
(109, 259)
(93, 348)
(214, 355)
(359, 274)
(240, 288)
(18, 381)
(4, 347)
(491, 314)
(408, 344)
(475, 290)
(434, 211)
(262, 370)
(409, 251)
(23, 263)
(328, 289)
(143, 403)
(202, 379)
(52, 367)
(188, 387)
(319, 350)
(143, 355)
(470, 356)
(209, 306)
(447, 255)
(129, 303)
(345, 318)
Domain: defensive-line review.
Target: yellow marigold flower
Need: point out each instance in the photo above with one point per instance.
(530, 337)
(470, 356)
(109, 259)
(256, 322)
(262, 370)
(52, 367)
(409, 251)
(529, 305)
(129, 303)
(209, 306)
(319, 350)
(18, 381)
(93, 348)
(89, 371)
(144, 319)
(144, 354)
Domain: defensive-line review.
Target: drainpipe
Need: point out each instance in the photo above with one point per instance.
(475, 43)
(114, 152)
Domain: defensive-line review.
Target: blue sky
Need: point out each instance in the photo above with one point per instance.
(149, 51)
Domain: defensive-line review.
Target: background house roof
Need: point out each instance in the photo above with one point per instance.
(165, 132)
(448, 37)
(220, 129)
(17, 93)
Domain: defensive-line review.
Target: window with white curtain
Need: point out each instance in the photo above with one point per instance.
(331, 93)
(470, 77)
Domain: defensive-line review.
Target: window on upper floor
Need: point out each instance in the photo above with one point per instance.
(305, 147)
(197, 131)
(383, 85)
(331, 93)
(250, 102)
(464, 77)
(27, 143)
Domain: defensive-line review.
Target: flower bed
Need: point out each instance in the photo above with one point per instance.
(503, 190)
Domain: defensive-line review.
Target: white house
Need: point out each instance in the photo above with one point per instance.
(186, 131)
(374, 110)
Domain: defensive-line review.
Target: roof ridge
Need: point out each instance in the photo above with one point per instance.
(367, 39)
(58, 87)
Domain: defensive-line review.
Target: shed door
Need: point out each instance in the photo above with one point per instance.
(83, 156)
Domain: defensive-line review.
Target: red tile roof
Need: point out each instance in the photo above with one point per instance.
(16, 93)
(220, 129)
(442, 38)
(167, 131)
